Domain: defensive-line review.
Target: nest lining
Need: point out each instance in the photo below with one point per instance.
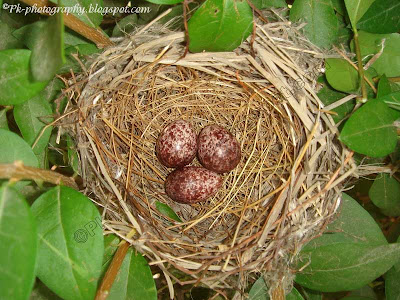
(281, 194)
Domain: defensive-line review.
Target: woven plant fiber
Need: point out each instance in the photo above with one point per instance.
(285, 188)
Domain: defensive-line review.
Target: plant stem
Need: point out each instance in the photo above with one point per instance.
(72, 22)
(112, 271)
(360, 67)
(17, 171)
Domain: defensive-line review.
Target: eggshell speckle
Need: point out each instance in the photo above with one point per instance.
(177, 144)
(192, 184)
(218, 149)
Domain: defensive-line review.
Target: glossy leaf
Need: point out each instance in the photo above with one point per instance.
(352, 252)
(16, 84)
(167, 211)
(48, 50)
(134, 280)
(329, 96)
(82, 51)
(88, 11)
(220, 25)
(366, 292)
(7, 40)
(14, 148)
(388, 62)
(392, 100)
(18, 245)
(339, 6)
(259, 291)
(322, 25)
(310, 294)
(392, 281)
(111, 242)
(381, 17)
(341, 75)
(70, 243)
(3, 119)
(384, 87)
(31, 117)
(370, 129)
(263, 4)
(385, 194)
(356, 9)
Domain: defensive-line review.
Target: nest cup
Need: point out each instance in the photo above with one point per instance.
(281, 194)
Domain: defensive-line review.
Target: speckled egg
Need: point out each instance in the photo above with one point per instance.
(192, 184)
(218, 150)
(177, 144)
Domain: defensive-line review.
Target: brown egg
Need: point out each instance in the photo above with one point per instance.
(218, 150)
(192, 184)
(177, 144)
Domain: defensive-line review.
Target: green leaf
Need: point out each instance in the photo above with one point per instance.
(70, 243)
(18, 245)
(73, 158)
(356, 9)
(14, 148)
(366, 293)
(111, 242)
(310, 294)
(392, 282)
(82, 51)
(166, 2)
(88, 11)
(126, 25)
(353, 225)
(7, 40)
(3, 119)
(388, 62)
(385, 194)
(370, 129)
(352, 252)
(381, 17)
(339, 6)
(48, 51)
(220, 25)
(167, 211)
(329, 96)
(263, 4)
(341, 75)
(384, 87)
(259, 291)
(134, 280)
(322, 25)
(31, 116)
(16, 84)
(392, 100)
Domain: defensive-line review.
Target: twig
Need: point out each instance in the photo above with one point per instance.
(112, 271)
(360, 67)
(76, 25)
(18, 171)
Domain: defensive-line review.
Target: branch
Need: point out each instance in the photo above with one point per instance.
(72, 22)
(17, 171)
(360, 66)
(112, 271)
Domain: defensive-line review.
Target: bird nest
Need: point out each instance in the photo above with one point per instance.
(281, 194)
